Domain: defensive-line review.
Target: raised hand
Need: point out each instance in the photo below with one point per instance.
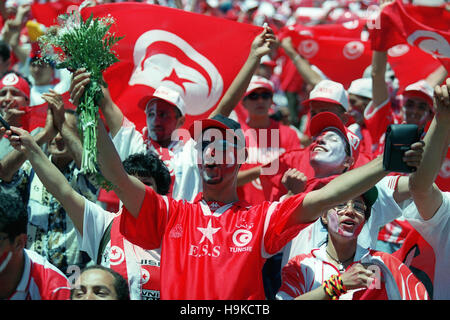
(442, 103)
(294, 181)
(56, 105)
(20, 140)
(357, 276)
(413, 157)
(263, 43)
(80, 79)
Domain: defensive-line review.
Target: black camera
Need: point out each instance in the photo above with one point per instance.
(399, 138)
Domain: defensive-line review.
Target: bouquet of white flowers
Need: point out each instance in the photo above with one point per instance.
(75, 44)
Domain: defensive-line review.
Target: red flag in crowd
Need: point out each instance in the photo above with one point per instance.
(397, 25)
(36, 116)
(47, 13)
(402, 56)
(197, 55)
(340, 59)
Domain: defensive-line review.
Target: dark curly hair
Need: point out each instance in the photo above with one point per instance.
(150, 166)
(13, 215)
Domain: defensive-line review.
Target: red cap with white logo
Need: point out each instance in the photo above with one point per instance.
(13, 80)
(259, 82)
(325, 120)
(328, 91)
(422, 90)
(164, 93)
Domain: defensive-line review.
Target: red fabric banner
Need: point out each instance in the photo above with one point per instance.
(47, 13)
(197, 55)
(415, 26)
(341, 59)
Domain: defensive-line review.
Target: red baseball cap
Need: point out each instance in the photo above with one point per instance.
(325, 120)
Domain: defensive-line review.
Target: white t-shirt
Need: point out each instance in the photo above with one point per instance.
(96, 221)
(182, 163)
(384, 210)
(436, 232)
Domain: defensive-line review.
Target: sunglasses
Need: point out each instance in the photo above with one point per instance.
(357, 206)
(220, 145)
(255, 96)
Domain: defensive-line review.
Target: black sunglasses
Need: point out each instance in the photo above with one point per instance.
(255, 96)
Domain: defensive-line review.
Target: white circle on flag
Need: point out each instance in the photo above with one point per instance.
(430, 42)
(190, 73)
(353, 50)
(398, 50)
(308, 48)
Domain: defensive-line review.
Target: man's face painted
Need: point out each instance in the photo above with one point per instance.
(347, 219)
(328, 150)
(416, 110)
(218, 156)
(162, 120)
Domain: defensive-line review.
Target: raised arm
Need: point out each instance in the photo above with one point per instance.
(380, 92)
(350, 185)
(66, 128)
(12, 162)
(426, 195)
(112, 113)
(301, 64)
(49, 174)
(129, 189)
(261, 46)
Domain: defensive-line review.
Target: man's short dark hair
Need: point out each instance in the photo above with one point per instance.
(120, 284)
(150, 166)
(13, 215)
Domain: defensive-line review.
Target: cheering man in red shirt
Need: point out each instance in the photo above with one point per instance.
(215, 247)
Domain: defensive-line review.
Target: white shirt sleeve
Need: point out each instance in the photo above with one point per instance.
(128, 140)
(435, 230)
(96, 221)
(187, 176)
(384, 210)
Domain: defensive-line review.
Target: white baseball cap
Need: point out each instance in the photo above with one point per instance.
(421, 89)
(361, 87)
(329, 91)
(258, 82)
(164, 93)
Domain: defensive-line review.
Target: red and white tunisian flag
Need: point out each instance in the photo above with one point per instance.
(397, 26)
(47, 13)
(197, 55)
(341, 59)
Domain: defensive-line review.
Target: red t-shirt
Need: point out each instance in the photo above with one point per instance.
(41, 280)
(207, 253)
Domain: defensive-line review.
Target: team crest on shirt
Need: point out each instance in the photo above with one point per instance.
(116, 256)
(242, 237)
(206, 246)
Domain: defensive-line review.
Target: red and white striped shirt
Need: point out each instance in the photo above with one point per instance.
(307, 272)
(41, 280)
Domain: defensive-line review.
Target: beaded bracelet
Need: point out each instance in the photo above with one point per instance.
(334, 287)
